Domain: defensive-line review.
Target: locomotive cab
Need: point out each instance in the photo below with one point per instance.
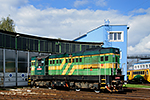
(40, 66)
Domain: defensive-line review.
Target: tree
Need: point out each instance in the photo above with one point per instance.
(7, 24)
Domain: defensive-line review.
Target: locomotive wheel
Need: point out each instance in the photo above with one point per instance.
(77, 89)
(97, 91)
(50, 88)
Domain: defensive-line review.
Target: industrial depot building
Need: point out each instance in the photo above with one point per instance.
(17, 49)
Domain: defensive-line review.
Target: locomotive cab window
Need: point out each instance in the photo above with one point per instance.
(80, 59)
(60, 61)
(76, 59)
(51, 62)
(56, 61)
(106, 58)
(39, 63)
(42, 62)
(69, 60)
(33, 63)
(102, 58)
(66, 60)
(116, 59)
(73, 60)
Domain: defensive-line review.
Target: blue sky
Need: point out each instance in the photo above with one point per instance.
(123, 6)
(68, 19)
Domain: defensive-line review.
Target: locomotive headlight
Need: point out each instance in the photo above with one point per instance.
(116, 51)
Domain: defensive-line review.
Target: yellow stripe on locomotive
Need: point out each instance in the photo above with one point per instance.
(78, 64)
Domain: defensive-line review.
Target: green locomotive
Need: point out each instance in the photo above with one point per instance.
(96, 68)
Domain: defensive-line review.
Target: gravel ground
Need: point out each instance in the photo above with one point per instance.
(55, 94)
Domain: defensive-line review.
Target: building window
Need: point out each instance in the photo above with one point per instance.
(116, 36)
(146, 66)
(119, 36)
(110, 36)
(143, 66)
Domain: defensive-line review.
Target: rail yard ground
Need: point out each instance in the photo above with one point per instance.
(27, 93)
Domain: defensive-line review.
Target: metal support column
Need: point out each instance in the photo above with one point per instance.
(28, 66)
(4, 67)
(16, 65)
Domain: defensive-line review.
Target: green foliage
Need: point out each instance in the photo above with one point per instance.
(7, 24)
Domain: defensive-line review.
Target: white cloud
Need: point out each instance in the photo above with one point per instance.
(10, 7)
(61, 23)
(141, 10)
(70, 23)
(100, 3)
(13, 3)
(80, 2)
(139, 28)
(143, 47)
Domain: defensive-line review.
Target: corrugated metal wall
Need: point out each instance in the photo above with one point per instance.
(16, 52)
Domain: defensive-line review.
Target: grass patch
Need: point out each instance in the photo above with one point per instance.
(137, 86)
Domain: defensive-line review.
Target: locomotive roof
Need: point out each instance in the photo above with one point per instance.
(98, 50)
(39, 57)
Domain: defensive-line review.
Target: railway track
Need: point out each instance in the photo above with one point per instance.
(47, 94)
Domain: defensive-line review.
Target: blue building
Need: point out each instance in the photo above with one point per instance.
(111, 36)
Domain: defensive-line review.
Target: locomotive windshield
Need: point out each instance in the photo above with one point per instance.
(40, 62)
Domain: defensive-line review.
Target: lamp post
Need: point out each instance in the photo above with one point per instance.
(59, 44)
(16, 57)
